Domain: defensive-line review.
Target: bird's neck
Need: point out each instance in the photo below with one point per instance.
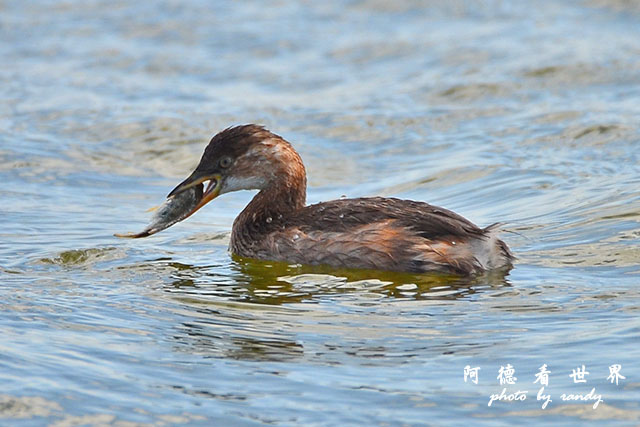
(280, 198)
(268, 210)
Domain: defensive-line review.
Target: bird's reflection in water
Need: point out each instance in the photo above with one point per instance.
(253, 311)
(206, 339)
(277, 283)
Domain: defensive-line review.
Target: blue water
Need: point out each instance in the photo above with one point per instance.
(524, 113)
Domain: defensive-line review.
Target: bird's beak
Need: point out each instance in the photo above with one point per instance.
(211, 192)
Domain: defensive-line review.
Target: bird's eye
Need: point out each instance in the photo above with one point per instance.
(225, 162)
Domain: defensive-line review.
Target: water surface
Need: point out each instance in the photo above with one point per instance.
(525, 114)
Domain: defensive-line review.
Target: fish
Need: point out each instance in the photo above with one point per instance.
(174, 209)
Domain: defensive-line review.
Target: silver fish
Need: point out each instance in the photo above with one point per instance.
(174, 209)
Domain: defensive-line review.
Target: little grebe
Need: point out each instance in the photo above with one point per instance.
(371, 233)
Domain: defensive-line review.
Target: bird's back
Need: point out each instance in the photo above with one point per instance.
(375, 233)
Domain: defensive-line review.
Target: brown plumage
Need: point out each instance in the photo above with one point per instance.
(373, 233)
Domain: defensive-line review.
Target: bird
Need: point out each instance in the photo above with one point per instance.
(376, 233)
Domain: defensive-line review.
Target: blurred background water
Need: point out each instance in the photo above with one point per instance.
(525, 113)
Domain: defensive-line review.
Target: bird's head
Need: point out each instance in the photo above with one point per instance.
(247, 157)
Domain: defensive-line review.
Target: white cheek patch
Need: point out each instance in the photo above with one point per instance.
(268, 159)
(233, 183)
